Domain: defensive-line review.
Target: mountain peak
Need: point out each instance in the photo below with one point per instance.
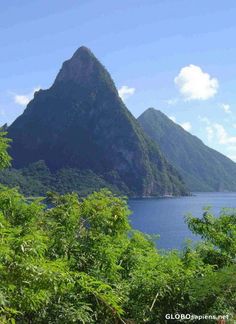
(82, 65)
(82, 51)
(152, 112)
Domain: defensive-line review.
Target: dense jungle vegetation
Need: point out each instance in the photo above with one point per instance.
(36, 180)
(79, 261)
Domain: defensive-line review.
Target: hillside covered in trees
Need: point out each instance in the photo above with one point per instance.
(36, 180)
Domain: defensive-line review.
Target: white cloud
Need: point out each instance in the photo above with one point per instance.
(173, 118)
(125, 92)
(209, 129)
(222, 135)
(187, 126)
(216, 131)
(194, 84)
(21, 100)
(226, 108)
(24, 99)
(232, 157)
(232, 152)
(210, 133)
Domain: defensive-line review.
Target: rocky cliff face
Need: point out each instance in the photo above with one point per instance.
(81, 122)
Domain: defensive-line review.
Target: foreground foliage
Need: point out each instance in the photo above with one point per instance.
(78, 261)
(71, 260)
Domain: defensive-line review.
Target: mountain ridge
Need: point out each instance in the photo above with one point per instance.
(202, 168)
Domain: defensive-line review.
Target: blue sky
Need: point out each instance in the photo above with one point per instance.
(178, 56)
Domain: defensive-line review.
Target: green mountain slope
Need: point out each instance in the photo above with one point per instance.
(36, 180)
(81, 123)
(202, 168)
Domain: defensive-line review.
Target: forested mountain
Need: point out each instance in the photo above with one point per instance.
(80, 122)
(202, 168)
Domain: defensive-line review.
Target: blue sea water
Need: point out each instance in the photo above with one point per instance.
(165, 216)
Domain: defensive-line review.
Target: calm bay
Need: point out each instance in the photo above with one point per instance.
(165, 216)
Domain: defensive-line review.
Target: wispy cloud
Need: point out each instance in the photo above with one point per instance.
(222, 134)
(172, 101)
(217, 132)
(226, 108)
(24, 99)
(173, 118)
(232, 157)
(185, 125)
(210, 133)
(125, 92)
(194, 84)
